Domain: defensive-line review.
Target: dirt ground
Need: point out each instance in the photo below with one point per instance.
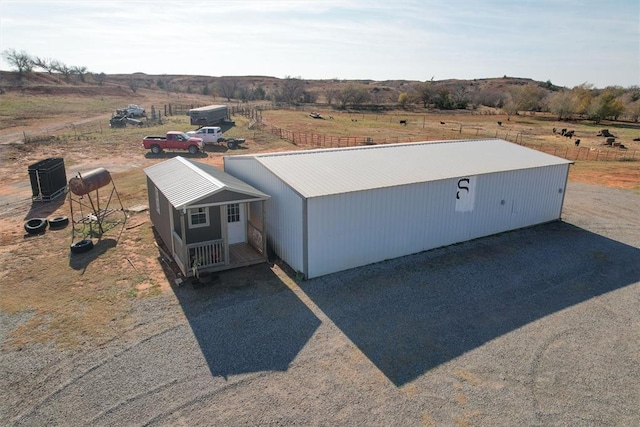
(108, 338)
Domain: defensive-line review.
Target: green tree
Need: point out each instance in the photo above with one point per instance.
(425, 93)
(259, 93)
(443, 100)
(583, 95)
(526, 98)
(403, 100)
(606, 105)
(633, 110)
(563, 104)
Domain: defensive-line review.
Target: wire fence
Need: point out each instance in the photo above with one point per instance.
(315, 140)
(92, 130)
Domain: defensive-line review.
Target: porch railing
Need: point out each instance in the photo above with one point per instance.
(255, 238)
(178, 250)
(207, 254)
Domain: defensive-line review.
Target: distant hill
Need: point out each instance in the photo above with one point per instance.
(124, 84)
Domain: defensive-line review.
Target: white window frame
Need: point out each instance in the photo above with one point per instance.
(233, 213)
(197, 211)
(157, 200)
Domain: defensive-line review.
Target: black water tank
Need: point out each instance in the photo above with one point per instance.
(48, 179)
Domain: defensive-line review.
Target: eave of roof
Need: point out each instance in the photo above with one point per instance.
(185, 182)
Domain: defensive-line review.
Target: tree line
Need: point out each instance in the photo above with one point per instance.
(25, 63)
(583, 101)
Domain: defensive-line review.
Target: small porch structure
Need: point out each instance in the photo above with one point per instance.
(207, 218)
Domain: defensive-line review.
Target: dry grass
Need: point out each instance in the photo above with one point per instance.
(620, 174)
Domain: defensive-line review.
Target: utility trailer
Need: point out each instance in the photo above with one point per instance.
(209, 115)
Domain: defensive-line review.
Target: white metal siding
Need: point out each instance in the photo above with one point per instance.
(359, 228)
(284, 210)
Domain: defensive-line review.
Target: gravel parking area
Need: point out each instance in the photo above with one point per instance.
(538, 326)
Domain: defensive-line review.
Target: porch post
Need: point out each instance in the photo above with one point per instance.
(264, 229)
(185, 251)
(225, 234)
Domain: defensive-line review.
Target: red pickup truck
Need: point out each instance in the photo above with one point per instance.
(173, 141)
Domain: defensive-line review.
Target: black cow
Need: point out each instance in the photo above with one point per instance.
(403, 122)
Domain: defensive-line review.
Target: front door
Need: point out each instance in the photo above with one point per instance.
(236, 230)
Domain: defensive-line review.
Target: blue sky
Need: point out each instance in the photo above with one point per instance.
(568, 42)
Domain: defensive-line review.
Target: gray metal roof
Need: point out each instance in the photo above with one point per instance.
(184, 182)
(321, 172)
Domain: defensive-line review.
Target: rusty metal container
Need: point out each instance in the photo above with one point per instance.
(89, 181)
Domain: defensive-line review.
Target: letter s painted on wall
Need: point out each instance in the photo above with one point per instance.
(462, 187)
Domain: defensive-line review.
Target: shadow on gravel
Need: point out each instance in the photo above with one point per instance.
(247, 321)
(412, 314)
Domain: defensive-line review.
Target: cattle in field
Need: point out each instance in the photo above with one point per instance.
(569, 134)
(403, 122)
(577, 142)
(442, 123)
(606, 133)
(499, 123)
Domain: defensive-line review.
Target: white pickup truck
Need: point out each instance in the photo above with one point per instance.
(208, 134)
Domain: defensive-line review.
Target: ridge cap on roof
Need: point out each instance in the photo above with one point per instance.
(193, 166)
(368, 147)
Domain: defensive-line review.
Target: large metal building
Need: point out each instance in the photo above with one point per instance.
(335, 209)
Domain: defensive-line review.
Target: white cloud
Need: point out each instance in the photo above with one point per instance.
(373, 39)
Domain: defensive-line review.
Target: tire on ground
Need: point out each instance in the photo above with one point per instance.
(58, 222)
(81, 246)
(36, 225)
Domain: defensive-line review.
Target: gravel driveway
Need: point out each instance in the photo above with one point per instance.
(539, 326)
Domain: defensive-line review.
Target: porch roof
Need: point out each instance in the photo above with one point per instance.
(184, 182)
